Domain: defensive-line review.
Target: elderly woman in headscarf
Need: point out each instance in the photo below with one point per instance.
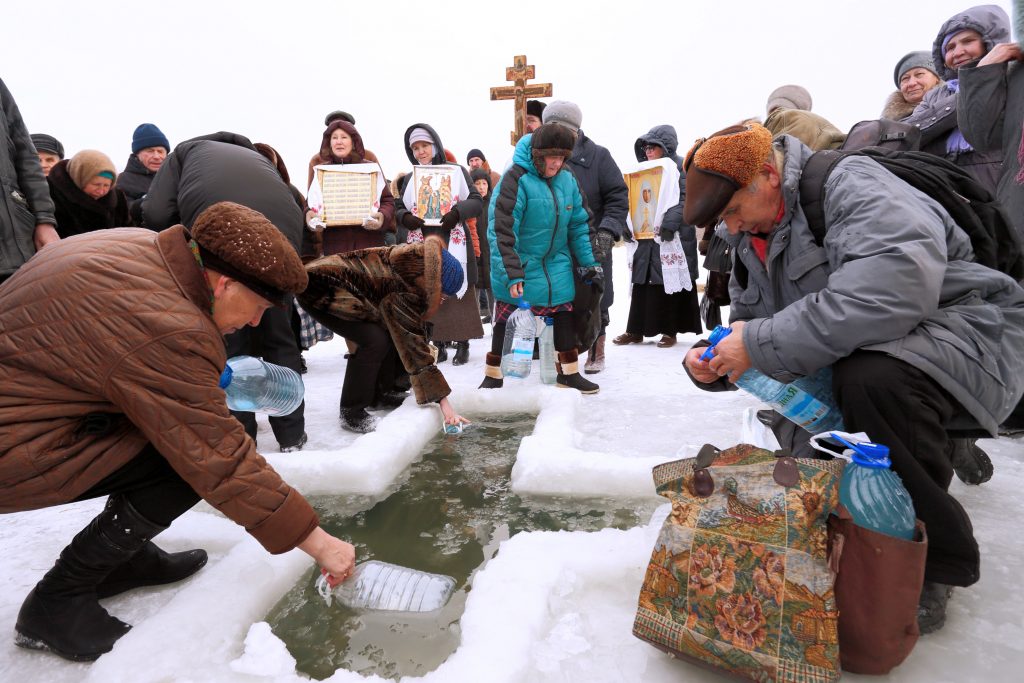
(84, 195)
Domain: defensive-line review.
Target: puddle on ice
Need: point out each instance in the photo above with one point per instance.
(448, 517)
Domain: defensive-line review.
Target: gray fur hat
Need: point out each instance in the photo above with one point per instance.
(565, 113)
(789, 97)
(920, 59)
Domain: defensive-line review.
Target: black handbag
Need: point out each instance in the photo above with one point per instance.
(719, 256)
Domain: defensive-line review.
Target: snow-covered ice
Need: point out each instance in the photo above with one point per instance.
(552, 606)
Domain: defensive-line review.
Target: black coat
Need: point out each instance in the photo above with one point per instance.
(77, 212)
(220, 167)
(135, 180)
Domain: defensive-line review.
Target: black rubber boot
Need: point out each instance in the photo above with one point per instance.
(931, 608)
(62, 613)
(493, 379)
(442, 352)
(358, 420)
(569, 376)
(970, 463)
(461, 353)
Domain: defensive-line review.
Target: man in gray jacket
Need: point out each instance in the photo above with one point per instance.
(27, 223)
(920, 339)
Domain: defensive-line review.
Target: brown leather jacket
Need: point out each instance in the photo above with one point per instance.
(106, 344)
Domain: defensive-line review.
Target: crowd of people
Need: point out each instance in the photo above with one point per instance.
(206, 250)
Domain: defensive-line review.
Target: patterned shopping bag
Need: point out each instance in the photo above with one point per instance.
(739, 580)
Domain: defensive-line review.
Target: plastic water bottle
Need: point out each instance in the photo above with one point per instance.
(808, 401)
(383, 586)
(517, 352)
(873, 493)
(548, 371)
(253, 385)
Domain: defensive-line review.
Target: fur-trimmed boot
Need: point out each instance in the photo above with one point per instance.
(493, 379)
(62, 613)
(595, 358)
(569, 376)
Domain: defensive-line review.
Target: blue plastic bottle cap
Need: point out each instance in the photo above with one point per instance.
(225, 377)
(873, 455)
(523, 303)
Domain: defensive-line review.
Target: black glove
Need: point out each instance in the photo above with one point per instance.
(667, 235)
(450, 219)
(605, 242)
(412, 221)
(590, 274)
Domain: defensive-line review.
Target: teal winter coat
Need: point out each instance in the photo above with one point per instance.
(537, 226)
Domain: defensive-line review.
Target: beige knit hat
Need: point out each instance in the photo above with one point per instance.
(241, 243)
(88, 164)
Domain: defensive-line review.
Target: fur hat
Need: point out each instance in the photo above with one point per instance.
(789, 97)
(241, 243)
(718, 166)
(535, 108)
(565, 113)
(475, 153)
(339, 115)
(481, 174)
(551, 140)
(451, 274)
(148, 135)
(358, 153)
(48, 144)
(920, 59)
(88, 164)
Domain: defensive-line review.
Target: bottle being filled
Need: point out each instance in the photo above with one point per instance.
(517, 351)
(548, 371)
(808, 401)
(873, 493)
(376, 585)
(253, 385)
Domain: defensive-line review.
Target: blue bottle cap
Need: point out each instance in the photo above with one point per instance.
(225, 377)
(523, 303)
(718, 334)
(867, 454)
(548, 320)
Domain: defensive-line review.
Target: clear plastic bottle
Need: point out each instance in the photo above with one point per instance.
(548, 371)
(379, 585)
(253, 385)
(517, 352)
(874, 494)
(808, 401)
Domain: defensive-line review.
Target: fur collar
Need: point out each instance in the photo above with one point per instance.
(897, 108)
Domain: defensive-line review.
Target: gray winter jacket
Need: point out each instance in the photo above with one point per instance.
(990, 115)
(647, 258)
(25, 199)
(894, 275)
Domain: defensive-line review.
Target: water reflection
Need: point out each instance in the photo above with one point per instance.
(448, 517)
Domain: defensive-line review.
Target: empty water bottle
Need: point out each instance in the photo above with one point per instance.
(379, 585)
(517, 351)
(548, 371)
(253, 385)
(873, 493)
(808, 401)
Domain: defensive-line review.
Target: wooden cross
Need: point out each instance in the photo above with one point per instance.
(519, 73)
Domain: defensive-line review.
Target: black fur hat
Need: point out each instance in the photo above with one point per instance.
(551, 140)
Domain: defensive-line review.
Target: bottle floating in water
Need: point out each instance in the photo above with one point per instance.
(517, 351)
(253, 385)
(873, 493)
(808, 401)
(376, 585)
(548, 372)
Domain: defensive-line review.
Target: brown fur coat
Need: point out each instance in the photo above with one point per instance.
(396, 287)
(897, 108)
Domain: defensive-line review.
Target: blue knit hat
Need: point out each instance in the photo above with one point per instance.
(451, 274)
(148, 135)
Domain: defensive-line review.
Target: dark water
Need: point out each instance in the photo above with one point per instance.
(448, 517)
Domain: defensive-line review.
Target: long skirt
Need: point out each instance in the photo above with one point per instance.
(653, 312)
(457, 319)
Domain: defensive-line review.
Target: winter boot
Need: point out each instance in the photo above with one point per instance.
(391, 399)
(461, 353)
(358, 420)
(62, 613)
(442, 352)
(595, 359)
(931, 608)
(970, 463)
(493, 379)
(569, 376)
(151, 566)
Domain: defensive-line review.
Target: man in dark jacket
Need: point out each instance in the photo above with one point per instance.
(607, 197)
(226, 167)
(149, 149)
(26, 211)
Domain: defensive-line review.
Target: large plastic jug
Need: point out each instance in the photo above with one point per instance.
(383, 586)
(253, 385)
(517, 351)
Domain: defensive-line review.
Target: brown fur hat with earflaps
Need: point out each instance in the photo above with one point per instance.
(242, 244)
(551, 140)
(717, 166)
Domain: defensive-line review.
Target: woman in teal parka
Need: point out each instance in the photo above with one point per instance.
(538, 224)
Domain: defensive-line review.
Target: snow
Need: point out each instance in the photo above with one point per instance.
(551, 606)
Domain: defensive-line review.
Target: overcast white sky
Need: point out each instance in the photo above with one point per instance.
(88, 73)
